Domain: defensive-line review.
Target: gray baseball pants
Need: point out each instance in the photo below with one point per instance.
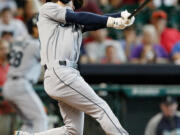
(76, 97)
(22, 95)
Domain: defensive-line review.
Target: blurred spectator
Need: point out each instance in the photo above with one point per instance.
(176, 54)
(167, 3)
(149, 51)
(111, 56)
(144, 16)
(121, 2)
(116, 4)
(4, 66)
(7, 36)
(20, 3)
(130, 1)
(104, 6)
(8, 4)
(32, 27)
(168, 36)
(31, 7)
(20, 14)
(91, 6)
(129, 41)
(28, 10)
(167, 122)
(96, 49)
(8, 23)
(103, 2)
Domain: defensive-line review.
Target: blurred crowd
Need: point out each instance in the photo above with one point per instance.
(154, 38)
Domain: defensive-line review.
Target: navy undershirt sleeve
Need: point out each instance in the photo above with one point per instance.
(86, 18)
(90, 21)
(96, 27)
(115, 15)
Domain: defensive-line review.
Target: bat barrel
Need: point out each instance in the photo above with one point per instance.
(141, 7)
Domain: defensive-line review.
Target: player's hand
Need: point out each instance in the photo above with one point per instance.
(122, 22)
(128, 22)
(117, 23)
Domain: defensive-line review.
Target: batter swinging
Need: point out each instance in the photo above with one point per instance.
(60, 30)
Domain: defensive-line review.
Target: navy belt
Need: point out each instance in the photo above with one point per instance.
(61, 63)
(19, 77)
(16, 77)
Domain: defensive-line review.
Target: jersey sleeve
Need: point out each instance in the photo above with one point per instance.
(53, 12)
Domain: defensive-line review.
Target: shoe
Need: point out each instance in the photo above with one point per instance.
(21, 133)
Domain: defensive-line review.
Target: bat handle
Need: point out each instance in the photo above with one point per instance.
(133, 14)
(130, 16)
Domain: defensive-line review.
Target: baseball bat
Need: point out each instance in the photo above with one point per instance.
(139, 9)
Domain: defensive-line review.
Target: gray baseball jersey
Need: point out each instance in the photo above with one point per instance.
(58, 40)
(62, 41)
(24, 59)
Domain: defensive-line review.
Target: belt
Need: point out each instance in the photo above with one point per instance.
(19, 77)
(64, 63)
(16, 77)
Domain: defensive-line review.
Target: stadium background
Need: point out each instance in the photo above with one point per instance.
(132, 85)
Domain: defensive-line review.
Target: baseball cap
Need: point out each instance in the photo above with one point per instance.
(159, 14)
(168, 100)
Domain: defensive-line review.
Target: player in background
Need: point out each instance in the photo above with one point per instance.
(25, 68)
(60, 30)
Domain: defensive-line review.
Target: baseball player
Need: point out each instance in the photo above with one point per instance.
(24, 71)
(60, 30)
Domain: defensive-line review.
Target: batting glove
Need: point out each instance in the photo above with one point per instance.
(117, 23)
(128, 22)
(121, 22)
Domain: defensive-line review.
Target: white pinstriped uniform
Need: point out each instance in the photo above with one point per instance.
(60, 41)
